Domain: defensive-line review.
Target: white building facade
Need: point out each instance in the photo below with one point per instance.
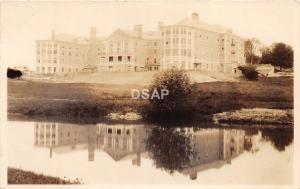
(188, 45)
(194, 45)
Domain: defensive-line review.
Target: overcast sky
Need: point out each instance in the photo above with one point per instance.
(24, 22)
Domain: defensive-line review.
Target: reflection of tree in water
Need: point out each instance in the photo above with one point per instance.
(280, 137)
(170, 149)
(248, 143)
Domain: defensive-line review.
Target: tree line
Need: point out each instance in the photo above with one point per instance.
(280, 55)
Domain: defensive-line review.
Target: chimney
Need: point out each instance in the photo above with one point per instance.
(195, 16)
(160, 25)
(138, 29)
(53, 35)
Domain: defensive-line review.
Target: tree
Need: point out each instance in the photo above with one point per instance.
(282, 56)
(252, 59)
(171, 149)
(266, 56)
(251, 49)
(176, 104)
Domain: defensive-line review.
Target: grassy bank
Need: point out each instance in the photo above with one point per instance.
(18, 176)
(256, 116)
(78, 101)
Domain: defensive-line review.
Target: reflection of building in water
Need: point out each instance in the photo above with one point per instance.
(119, 141)
(62, 137)
(213, 148)
(122, 141)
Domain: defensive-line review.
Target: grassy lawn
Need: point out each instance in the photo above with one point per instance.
(73, 101)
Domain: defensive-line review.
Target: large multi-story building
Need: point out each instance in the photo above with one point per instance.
(130, 51)
(194, 45)
(65, 53)
(189, 44)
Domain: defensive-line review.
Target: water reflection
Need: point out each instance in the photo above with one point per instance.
(184, 150)
(189, 150)
(118, 141)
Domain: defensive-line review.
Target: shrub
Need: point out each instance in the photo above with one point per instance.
(176, 103)
(249, 72)
(13, 73)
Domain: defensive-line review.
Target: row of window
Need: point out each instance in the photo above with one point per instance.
(46, 44)
(49, 61)
(119, 131)
(46, 143)
(176, 31)
(43, 69)
(176, 41)
(175, 52)
(119, 58)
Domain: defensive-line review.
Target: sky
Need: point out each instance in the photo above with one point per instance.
(24, 22)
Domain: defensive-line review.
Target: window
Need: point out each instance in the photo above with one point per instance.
(111, 59)
(118, 131)
(54, 61)
(127, 132)
(55, 52)
(167, 52)
(54, 69)
(154, 60)
(49, 69)
(128, 58)
(62, 69)
(175, 52)
(155, 43)
(119, 58)
(183, 40)
(109, 130)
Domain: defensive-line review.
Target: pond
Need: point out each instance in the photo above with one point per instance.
(147, 154)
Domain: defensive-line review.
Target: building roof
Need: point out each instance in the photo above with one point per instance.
(151, 35)
(76, 39)
(71, 38)
(202, 25)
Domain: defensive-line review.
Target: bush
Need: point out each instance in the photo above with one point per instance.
(13, 73)
(249, 72)
(176, 103)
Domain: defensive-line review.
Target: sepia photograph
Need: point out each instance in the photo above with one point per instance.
(192, 93)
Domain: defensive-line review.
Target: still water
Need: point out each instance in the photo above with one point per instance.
(141, 154)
